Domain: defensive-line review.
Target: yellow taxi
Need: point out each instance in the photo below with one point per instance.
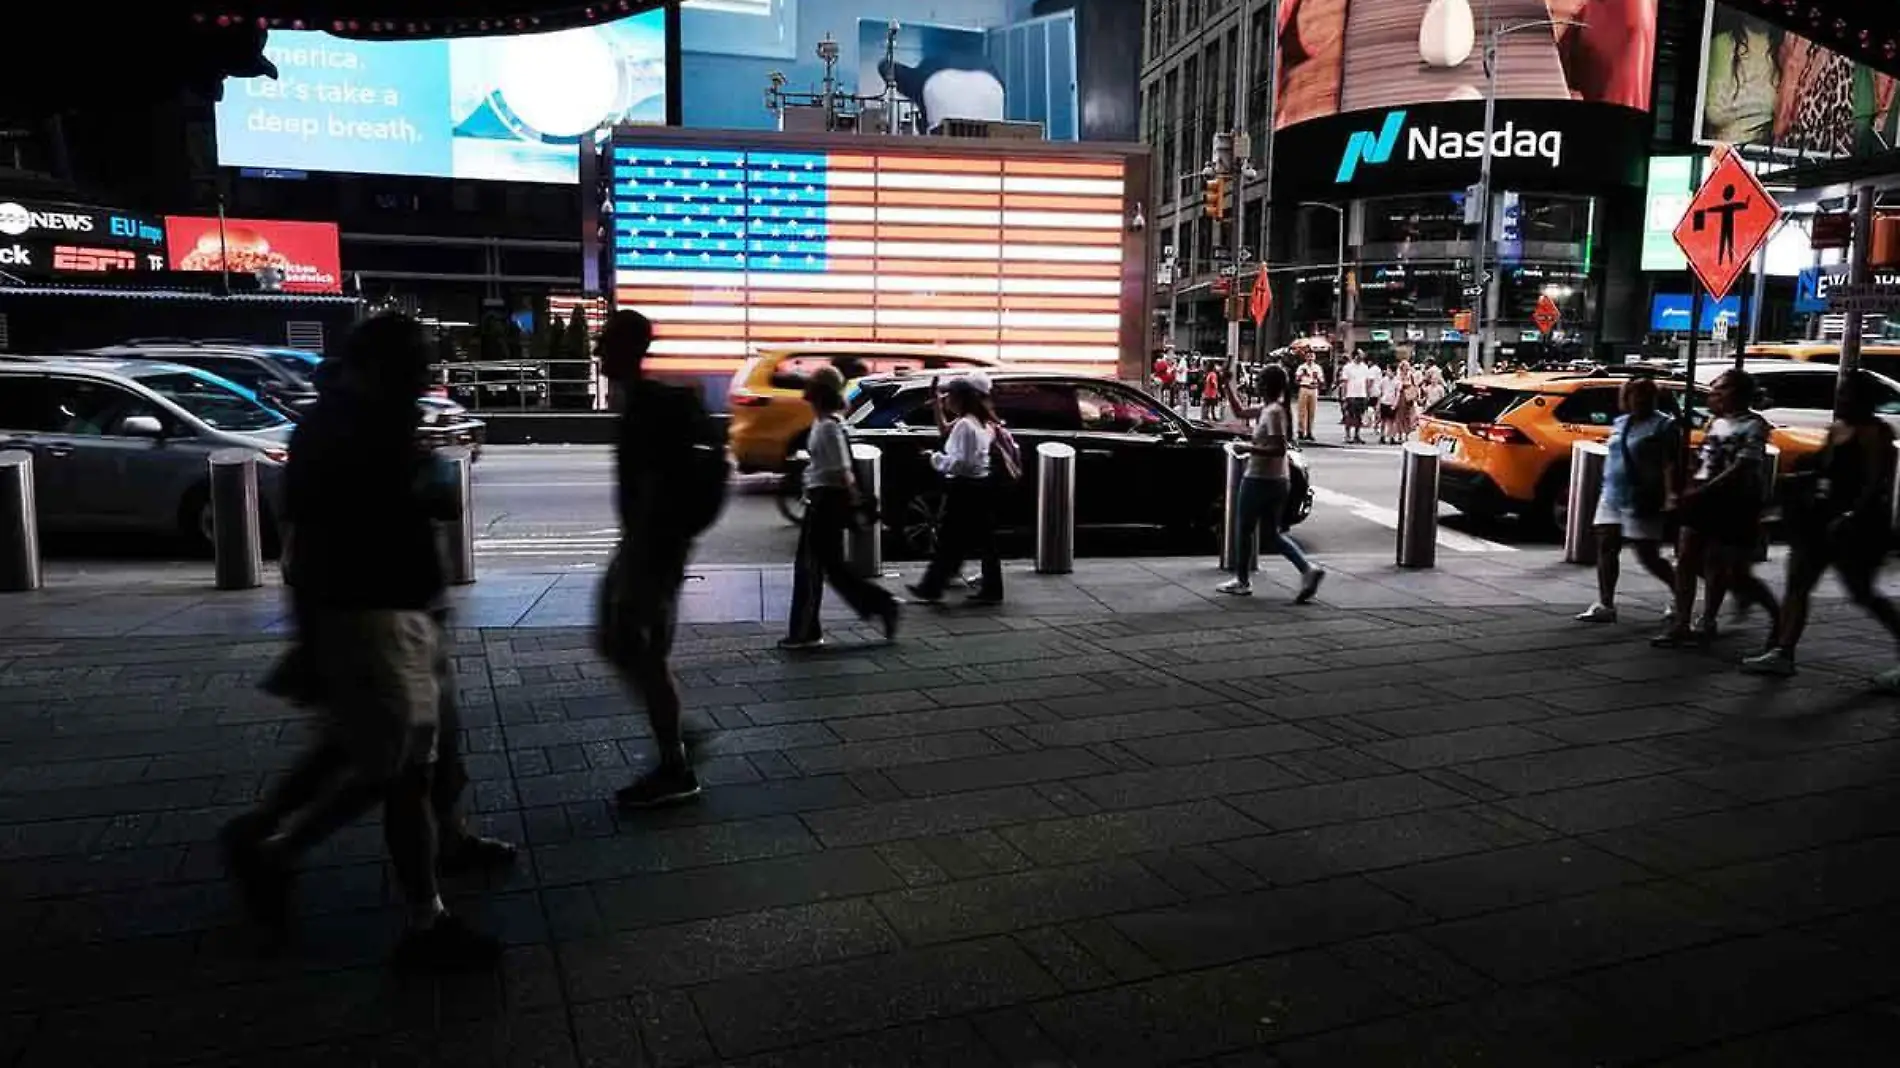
(1504, 440)
(769, 413)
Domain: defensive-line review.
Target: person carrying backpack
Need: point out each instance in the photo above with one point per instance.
(671, 472)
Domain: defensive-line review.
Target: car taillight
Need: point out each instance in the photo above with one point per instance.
(746, 400)
(1499, 434)
(276, 455)
(439, 391)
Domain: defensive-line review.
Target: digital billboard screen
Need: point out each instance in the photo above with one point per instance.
(484, 108)
(726, 249)
(305, 252)
(1773, 88)
(40, 239)
(1345, 56)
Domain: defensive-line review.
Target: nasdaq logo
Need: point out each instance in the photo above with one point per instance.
(1371, 148)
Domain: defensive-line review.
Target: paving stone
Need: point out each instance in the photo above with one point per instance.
(1233, 742)
(1584, 809)
(977, 853)
(938, 1044)
(1080, 838)
(1554, 770)
(741, 886)
(757, 1012)
(1460, 746)
(890, 820)
(893, 752)
(700, 951)
(670, 849)
(1263, 923)
(1019, 900)
(993, 771)
(1461, 886)
(929, 721)
(1368, 845)
(1339, 802)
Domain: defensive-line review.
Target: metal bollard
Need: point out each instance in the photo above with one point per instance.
(1230, 513)
(864, 545)
(1055, 508)
(19, 525)
(1418, 506)
(457, 466)
(1896, 487)
(1587, 460)
(235, 541)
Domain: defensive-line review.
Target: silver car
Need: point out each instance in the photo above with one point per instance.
(124, 445)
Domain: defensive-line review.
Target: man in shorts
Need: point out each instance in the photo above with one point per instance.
(364, 575)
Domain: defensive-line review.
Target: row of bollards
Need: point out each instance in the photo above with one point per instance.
(236, 529)
(1588, 460)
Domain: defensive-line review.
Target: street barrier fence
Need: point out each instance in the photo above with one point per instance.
(1418, 506)
(1230, 532)
(1587, 462)
(1055, 508)
(19, 524)
(864, 545)
(236, 542)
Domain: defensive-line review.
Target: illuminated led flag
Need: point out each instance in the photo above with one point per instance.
(730, 250)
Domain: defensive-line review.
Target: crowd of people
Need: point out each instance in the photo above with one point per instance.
(1388, 397)
(1837, 516)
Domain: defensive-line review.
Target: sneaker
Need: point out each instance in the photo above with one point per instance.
(1775, 662)
(1674, 638)
(922, 596)
(263, 879)
(1309, 585)
(447, 945)
(465, 853)
(1599, 613)
(800, 645)
(661, 786)
(1235, 588)
(889, 618)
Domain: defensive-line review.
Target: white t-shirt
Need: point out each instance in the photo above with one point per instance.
(1357, 379)
(967, 452)
(1389, 390)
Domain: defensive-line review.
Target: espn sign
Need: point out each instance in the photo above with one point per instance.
(86, 259)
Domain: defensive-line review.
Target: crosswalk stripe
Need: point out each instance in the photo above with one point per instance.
(1389, 518)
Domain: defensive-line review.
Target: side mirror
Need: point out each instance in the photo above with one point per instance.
(141, 426)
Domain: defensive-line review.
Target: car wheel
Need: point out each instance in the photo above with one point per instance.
(1550, 513)
(791, 496)
(920, 523)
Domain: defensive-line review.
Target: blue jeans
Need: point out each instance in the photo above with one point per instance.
(1262, 506)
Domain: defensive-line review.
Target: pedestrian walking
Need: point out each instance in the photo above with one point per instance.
(969, 522)
(670, 471)
(1407, 415)
(1310, 378)
(1720, 512)
(1844, 526)
(1212, 383)
(1164, 380)
(1432, 386)
(1356, 384)
(832, 503)
(363, 572)
(1388, 395)
(1636, 478)
(1264, 488)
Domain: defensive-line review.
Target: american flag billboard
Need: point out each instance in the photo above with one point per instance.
(729, 248)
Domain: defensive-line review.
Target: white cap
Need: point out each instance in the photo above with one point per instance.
(979, 381)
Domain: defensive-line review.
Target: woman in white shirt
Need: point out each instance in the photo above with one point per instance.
(969, 519)
(1389, 408)
(831, 499)
(1264, 490)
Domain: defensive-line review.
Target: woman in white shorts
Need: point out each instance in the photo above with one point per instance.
(1636, 477)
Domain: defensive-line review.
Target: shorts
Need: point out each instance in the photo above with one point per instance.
(1727, 520)
(380, 688)
(638, 609)
(1634, 527)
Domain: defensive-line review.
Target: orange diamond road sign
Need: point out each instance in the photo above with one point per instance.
(1262, 300)
(1546, 316)
(1731, 215)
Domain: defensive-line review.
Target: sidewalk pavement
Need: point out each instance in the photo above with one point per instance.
(1429, 820)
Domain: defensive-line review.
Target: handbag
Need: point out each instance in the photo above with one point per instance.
(1648, 496)
(1006, 457)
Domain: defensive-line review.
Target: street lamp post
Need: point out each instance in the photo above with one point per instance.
(1339, 276)
(1474, 361)
(1230, 163)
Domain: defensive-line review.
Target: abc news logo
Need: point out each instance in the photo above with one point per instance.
(16, 220)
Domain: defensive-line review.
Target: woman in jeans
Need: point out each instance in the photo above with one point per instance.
(831, 498)
(1264, 490)
(969, 521)
(1720, 512)
(1636, 477)
(1845, 528)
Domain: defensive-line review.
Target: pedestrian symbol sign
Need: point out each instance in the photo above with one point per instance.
(1546, 316)
(1731, 215)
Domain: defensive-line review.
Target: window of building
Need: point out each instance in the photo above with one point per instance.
(1406, 220)
(1560, 220)
(1170, 163)
(1409, 292)
(1190, 120)
(1566, 284)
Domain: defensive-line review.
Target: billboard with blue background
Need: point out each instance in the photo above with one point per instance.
(508, 108)
(1669, 313)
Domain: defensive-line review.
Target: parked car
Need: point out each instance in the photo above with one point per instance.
(1505, 440)
(1139, 466)
(769, 415)
(123, 445)
(1801, 394)
(286, 377)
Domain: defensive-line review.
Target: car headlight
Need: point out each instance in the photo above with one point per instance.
(429, 418)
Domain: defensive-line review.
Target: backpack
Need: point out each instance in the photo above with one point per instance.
(698, 490)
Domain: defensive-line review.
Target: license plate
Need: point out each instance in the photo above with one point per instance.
(1447, 446)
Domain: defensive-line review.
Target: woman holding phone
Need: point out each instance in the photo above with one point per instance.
(969, 521)
(1265, 487)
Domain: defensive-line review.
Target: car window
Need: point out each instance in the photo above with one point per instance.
(1477, 404)
(23, 404)
(1036, 406)
(220, 407)
(1592, 406)
(1812, 390)
(1112, 411)
(243, 372)
(90, 408)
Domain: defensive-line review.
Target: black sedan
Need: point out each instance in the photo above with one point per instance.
(1139, 466)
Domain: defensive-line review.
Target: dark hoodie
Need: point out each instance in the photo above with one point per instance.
(361, 507)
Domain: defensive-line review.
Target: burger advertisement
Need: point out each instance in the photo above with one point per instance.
(301, 257)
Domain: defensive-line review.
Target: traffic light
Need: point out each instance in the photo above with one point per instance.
(1214, 198)
(1461, 321)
